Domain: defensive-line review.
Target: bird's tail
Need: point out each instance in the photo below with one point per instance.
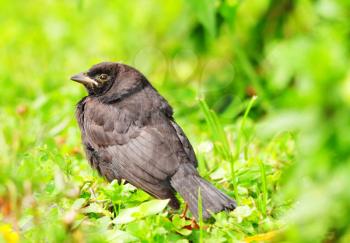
(188, 182)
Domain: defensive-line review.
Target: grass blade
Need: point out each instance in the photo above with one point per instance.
(263, 187)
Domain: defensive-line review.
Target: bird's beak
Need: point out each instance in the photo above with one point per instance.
(84, 79)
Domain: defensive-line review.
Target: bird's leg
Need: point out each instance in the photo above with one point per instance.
(183, 215)
(194, 224)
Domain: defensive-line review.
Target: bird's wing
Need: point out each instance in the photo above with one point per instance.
(185, 143)
(144, 155)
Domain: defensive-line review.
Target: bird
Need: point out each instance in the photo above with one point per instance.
(129, 134)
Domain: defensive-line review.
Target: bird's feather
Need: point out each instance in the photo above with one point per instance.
(129, 133)
(142, 155)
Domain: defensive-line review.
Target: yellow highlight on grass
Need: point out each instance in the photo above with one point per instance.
(261, 237)
(8, 234)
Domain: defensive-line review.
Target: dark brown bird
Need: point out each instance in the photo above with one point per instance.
(129, 133)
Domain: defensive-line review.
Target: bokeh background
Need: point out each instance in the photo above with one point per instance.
(261, 88)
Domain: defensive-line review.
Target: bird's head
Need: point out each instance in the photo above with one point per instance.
(109, 80)
(99, 78)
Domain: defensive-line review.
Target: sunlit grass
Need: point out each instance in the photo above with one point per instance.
(51, 187)
(284, 156)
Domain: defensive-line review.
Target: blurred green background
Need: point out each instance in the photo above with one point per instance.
(261, 88)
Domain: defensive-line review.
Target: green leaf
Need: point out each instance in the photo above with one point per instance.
(78, 204)
(184, 231)
(179, 222)
(242, 212)
(120, 236)
(153, 207)
(145, 209)
(96, 208)
(205, 12)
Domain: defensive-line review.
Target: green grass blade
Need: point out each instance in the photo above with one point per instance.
(263, 187)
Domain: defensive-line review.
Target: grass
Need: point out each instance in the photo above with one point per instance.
(209, 61)
(48, 186)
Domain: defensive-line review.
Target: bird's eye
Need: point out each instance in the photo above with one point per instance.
(103, 77)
